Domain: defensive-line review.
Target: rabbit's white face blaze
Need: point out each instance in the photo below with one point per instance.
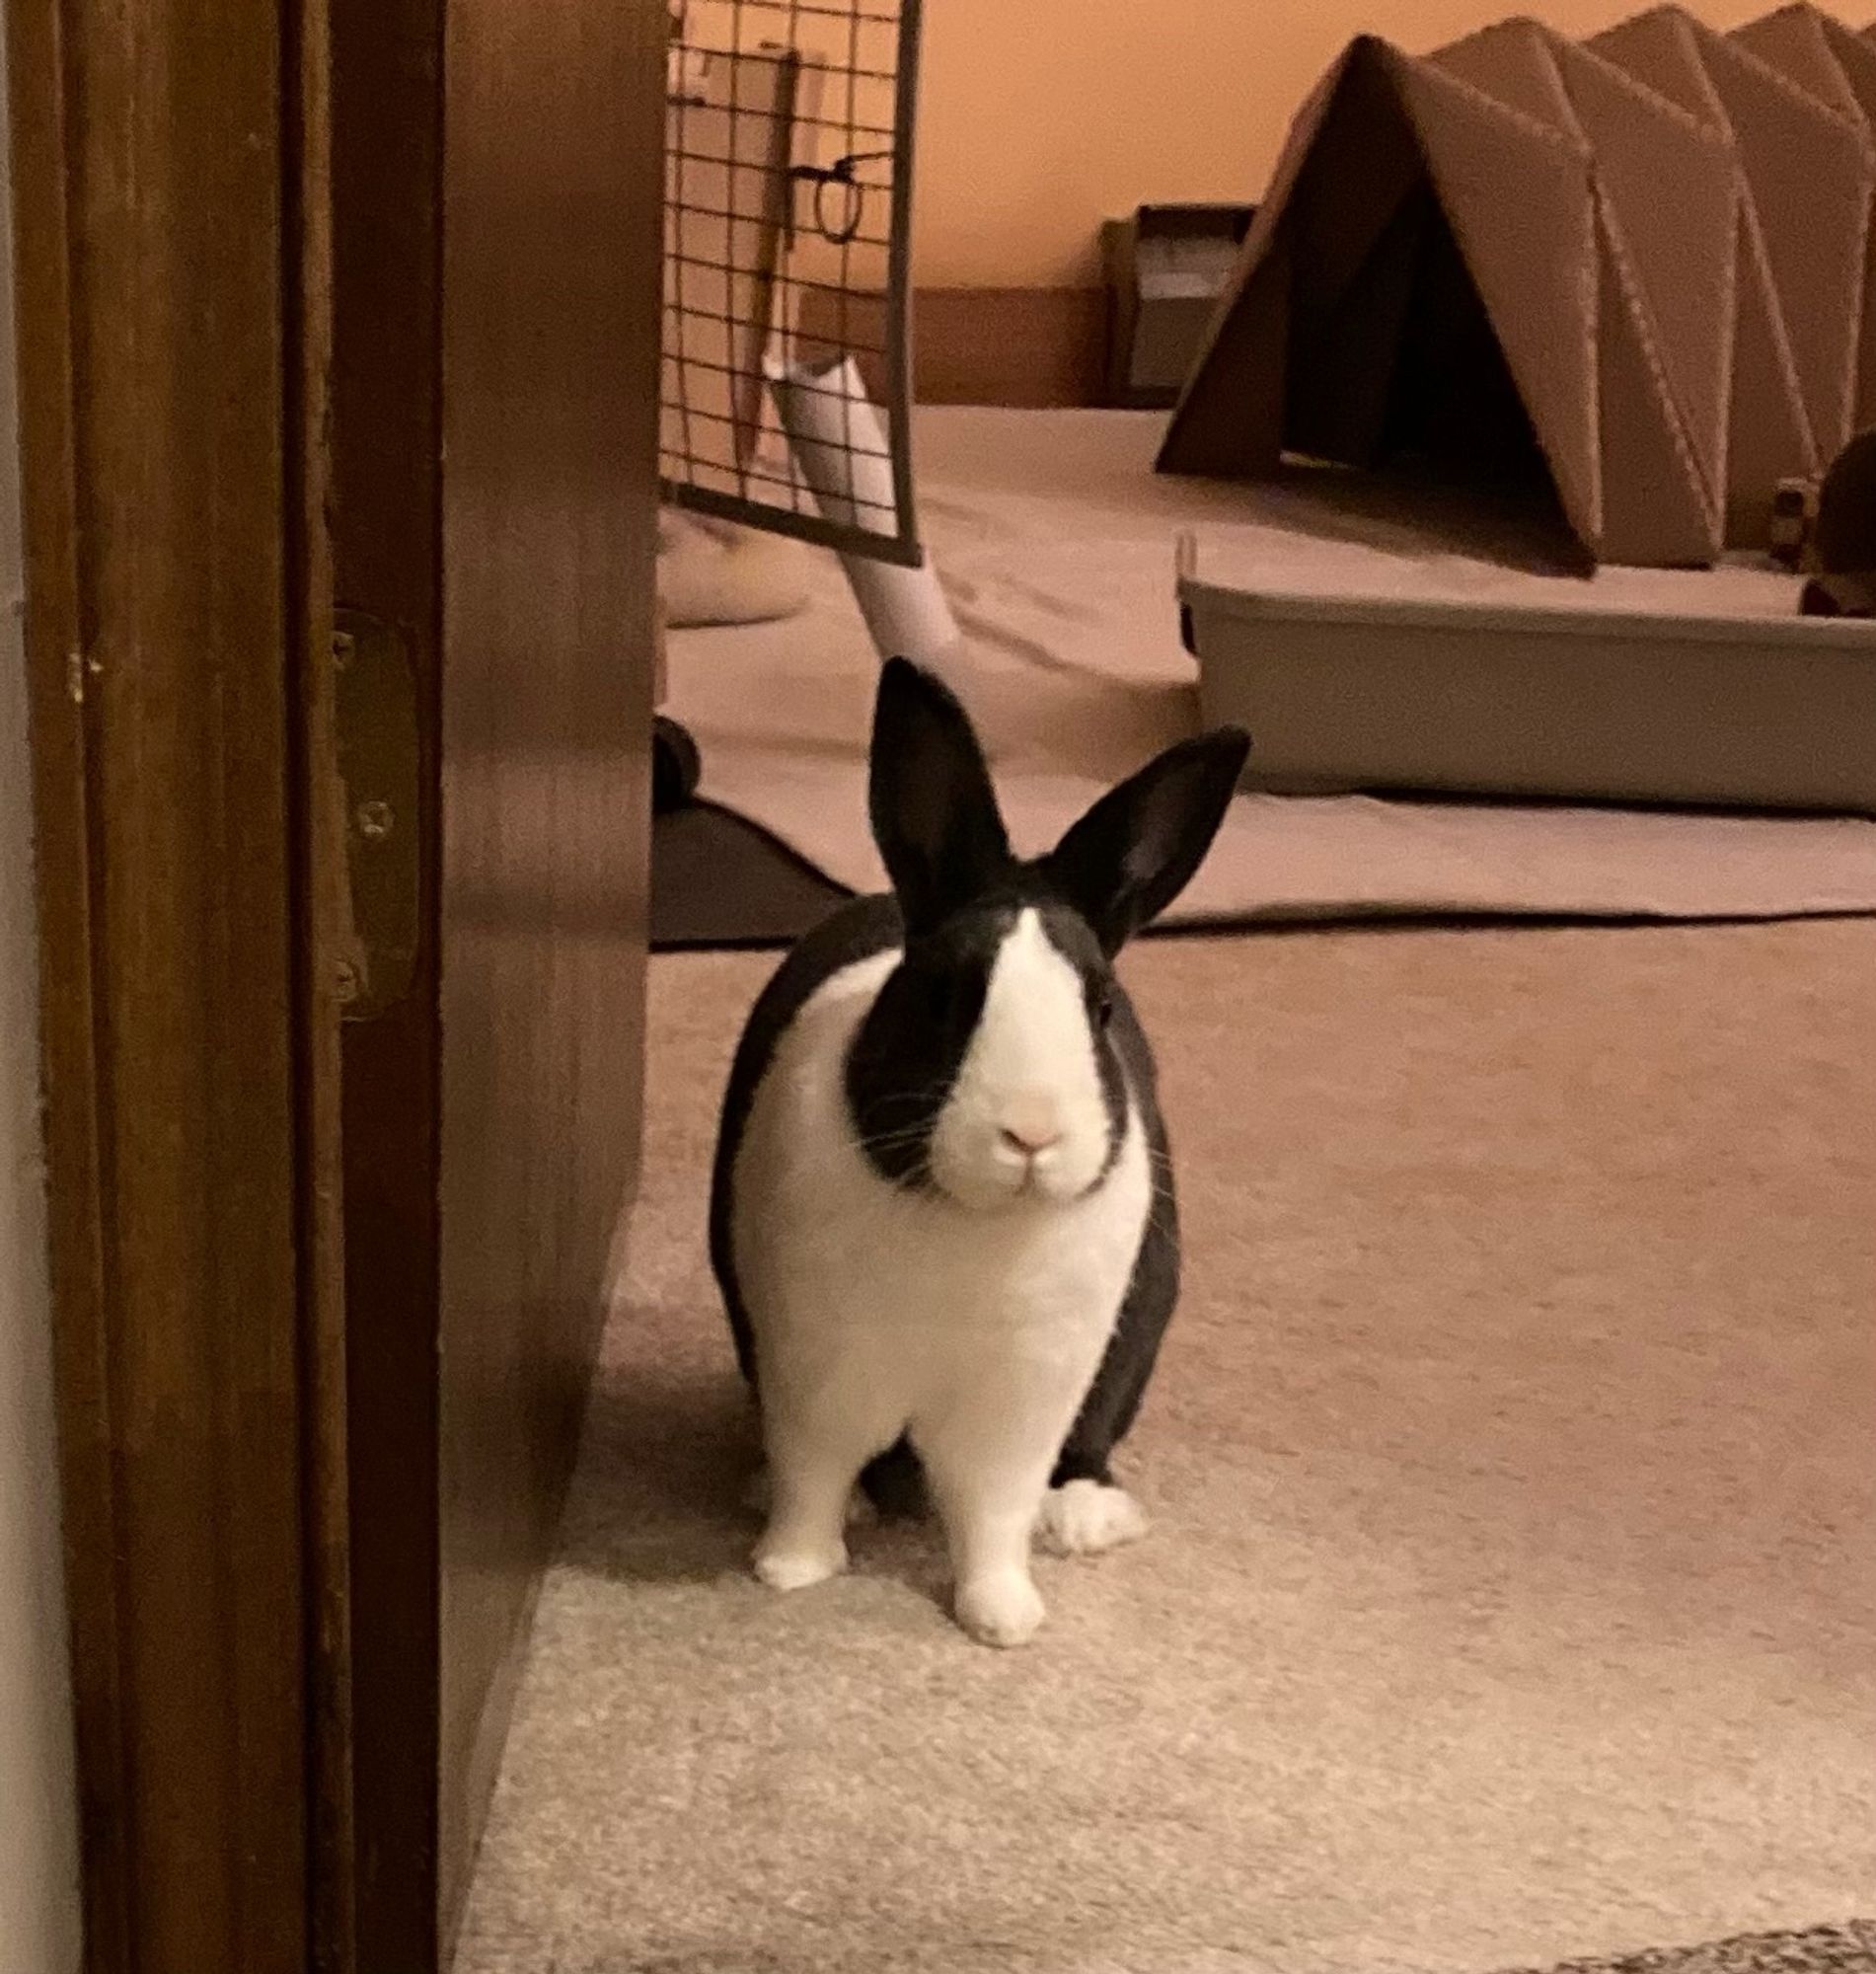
(1027, 1117)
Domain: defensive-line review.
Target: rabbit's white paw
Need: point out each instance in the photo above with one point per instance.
(799, 1568)
(1003, 1610)
(1085, 1518)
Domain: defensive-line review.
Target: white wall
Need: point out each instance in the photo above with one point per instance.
(39, 1869)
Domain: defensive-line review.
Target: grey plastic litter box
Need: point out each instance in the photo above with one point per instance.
(1352, 692)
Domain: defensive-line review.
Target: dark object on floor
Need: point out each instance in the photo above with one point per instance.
(1845, 535)
(1166, 266)
(717, 880)
(675, 766)
(1839, 597)
(1850, 1948)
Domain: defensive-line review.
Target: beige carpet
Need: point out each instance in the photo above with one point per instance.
(1512, 1596)
(1055, 541)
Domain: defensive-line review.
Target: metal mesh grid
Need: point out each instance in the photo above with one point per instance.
(787, 209)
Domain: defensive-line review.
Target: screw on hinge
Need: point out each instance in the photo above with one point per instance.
(375, 820)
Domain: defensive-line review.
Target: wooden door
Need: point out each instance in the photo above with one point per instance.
(496, 181)
(332, 320)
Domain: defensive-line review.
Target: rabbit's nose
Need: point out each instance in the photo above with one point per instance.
(1031, 1130)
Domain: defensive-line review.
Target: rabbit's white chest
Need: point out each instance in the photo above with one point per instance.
(918, 1311)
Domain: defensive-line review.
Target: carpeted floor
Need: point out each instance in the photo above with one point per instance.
(1512, 1597)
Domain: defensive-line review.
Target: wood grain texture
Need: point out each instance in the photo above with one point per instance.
(320, 911)
(387, 554)
(1027, 347)
(552, 187)
(74, 1151)
(155, 173)
(495, 305)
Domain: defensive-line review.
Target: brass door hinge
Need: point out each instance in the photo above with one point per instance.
(374, 692)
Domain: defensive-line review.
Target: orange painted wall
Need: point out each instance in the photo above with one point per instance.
(1038, 119)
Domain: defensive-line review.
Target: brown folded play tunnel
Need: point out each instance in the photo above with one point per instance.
(1640, 264)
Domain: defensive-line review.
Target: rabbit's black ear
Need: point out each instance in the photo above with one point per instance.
(1136, 850)
(935, 814)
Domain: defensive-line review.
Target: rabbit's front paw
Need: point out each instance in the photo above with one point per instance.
(796, 1569)
(1085, 1518)
(1003, 1610)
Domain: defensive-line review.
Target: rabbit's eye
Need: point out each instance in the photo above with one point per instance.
(1103, 1009)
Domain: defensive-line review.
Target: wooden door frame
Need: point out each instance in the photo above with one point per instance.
(169, 177)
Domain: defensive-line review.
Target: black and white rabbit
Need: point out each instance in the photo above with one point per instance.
(943, 1213)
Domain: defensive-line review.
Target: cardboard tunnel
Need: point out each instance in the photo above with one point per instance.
(1642, 267)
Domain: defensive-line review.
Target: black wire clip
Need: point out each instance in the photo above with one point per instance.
(838, 173)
